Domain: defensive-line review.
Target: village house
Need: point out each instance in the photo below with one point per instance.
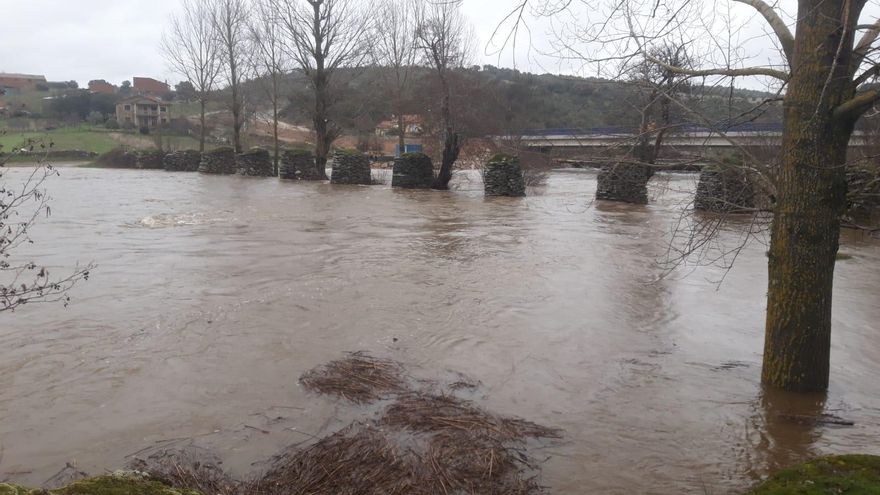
(149, 86)
(412, 125)
(143, 111)
(20, 82)
(101, 86)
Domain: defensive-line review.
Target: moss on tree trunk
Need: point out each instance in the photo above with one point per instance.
(811, 195)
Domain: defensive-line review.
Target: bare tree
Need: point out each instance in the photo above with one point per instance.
(394, 47)
(658, 87)
(190, 48)
(230, 19)
(323, 36)
(271, 62)
(444, 37)
(655, 88)
(823, 67)
(24, 281)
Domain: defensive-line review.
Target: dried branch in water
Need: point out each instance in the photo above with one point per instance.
(359, 378)
(460, 463)
(425, 444)
(431, 413)
(358, 460)
(190, 470)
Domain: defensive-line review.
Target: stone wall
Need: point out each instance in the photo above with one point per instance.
(126, 159)
(413, 171)
(150, 159)
(298, 164)
(350, 167)
(503, 177)
(218, 161)
(68, 155)
(255, 163)
(625, 182)
(724, 190)
(182, 161)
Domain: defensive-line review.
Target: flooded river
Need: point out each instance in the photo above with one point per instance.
(213, 295)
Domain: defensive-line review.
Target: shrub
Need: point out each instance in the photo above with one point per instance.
(144, 130)
(95, 118)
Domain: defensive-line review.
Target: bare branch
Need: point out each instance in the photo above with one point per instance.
(856, 106)
(864, 45)
(23, 281)
(747, 71)
(786, 39)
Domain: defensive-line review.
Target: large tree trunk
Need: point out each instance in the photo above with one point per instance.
(451, 140)
(451, 149)
(323, 137)
(236, 96)
(811, 195)
(276, 147)
(203, 130)
(401, 135)
(236, 118)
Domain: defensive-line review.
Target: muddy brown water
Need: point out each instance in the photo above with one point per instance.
(213, 294)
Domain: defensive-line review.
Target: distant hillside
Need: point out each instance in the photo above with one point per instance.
(491, 100)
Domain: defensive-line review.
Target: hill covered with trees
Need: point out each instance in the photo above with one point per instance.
(489, 100)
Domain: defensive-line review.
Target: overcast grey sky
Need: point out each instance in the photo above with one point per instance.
(118, 39)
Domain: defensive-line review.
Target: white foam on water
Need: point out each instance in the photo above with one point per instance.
(165, 220)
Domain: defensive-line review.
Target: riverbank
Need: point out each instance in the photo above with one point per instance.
(832, 475)
(56, 164)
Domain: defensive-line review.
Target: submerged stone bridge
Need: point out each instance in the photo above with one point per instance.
(743, 135)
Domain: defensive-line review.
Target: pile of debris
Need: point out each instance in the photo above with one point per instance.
(359, 378)
(425, 442)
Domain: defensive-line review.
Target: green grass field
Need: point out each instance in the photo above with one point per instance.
(68, 138)
(88, 138)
